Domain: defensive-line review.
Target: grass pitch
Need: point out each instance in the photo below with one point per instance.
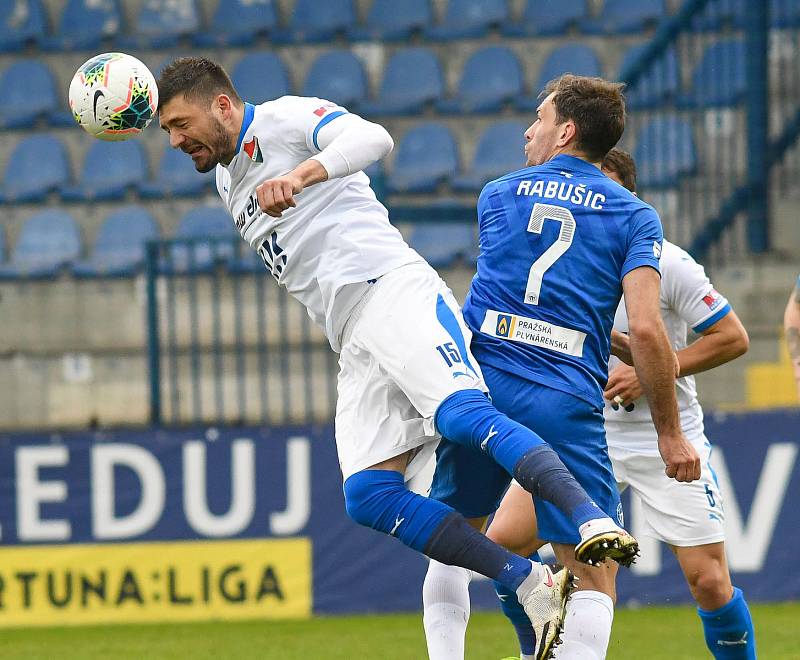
(650, 633)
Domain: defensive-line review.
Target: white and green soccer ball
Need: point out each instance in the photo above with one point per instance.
(113, 96)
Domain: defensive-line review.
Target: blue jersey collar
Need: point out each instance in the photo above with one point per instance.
(249, 112)
(573, 163)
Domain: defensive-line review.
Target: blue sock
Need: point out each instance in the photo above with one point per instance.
(380, 500)
(513, 610)
(729, 630)
(468, 418)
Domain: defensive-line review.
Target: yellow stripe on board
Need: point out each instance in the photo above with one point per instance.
(162, 581)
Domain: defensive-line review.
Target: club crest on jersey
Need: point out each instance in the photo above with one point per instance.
(503, 328)
(324, 109)
(253, 151)
(712, 299)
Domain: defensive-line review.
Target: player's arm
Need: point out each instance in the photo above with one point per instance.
(347, 144)
(655, 368)
(791, 327)
(724, 341)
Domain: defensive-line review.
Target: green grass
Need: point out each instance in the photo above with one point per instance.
(646, 634)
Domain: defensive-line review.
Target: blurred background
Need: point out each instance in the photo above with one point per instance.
(158, 387)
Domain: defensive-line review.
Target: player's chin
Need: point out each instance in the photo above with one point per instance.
(205, 165)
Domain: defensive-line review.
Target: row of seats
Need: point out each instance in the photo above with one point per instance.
(50, 243)
(426, 156)
(413, 79)
(162, 23)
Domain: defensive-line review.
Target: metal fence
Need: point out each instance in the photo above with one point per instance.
(226, 344)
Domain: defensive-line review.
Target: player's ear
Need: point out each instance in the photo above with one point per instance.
(223, 105)
(568, 132)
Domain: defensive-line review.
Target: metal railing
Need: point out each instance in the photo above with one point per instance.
(226, 344)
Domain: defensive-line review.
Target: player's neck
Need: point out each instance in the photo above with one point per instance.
(233, 130)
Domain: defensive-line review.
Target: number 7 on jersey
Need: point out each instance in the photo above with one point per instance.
(539, 214)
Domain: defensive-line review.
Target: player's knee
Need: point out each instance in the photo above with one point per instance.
(710, 586)
(368, 494)
(515, 538)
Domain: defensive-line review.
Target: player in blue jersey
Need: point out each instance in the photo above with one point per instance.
(688, 517)
(560, 242)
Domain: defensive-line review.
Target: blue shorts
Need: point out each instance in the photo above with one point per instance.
(473, 484)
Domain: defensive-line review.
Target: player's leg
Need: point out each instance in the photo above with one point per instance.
(590, 610)
(412, 308)
(689, 517)
(381, 439)
(514, 527)
(576, 431)
(727, 624)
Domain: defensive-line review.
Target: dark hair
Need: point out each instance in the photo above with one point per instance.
(596, 106)
(197, 78)
(622, 164)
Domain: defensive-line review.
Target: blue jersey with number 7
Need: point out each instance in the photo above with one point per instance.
(555, 242)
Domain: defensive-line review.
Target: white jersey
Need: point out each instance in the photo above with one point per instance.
(688, 300)
(339, 233)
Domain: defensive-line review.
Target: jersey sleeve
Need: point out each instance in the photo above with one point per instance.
(297, 121)
(645, 238)
(690, 293)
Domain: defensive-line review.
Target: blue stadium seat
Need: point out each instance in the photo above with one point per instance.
(441, 244)
(27, 93)
(392, 20)
(467, 19)
(119, 245)
(176, 177)
(109, 170)
(238, 23)
(48, 241)
(198, 223)
(547, 17)
(499, 151)
(84, 24)
(412, 78)
(719, 79)
(491, 77)
(664, 151)
(21, 24)
(337, 76)
(784, 13)
(38, 165)
(315, 21)
(427, 156)
(162, 23)
(625, 17)
(660, 84)
(260, 77)
(569, 58)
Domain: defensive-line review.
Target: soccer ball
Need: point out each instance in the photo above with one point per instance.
(113, 96)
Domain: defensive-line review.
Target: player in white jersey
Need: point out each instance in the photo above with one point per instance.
(687, 516)
(289, 171)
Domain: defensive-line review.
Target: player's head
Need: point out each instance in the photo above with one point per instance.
(620, 166)
(201, 110)
(580, 116)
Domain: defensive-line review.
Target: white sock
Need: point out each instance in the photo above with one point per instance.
(445, 599)
(587, 627)
(533, 580)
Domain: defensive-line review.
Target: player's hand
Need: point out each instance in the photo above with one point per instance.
(623, 387)
(680, 458)
(621, 346)
(276, 195)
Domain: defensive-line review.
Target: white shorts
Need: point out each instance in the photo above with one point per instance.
(681, 514)
(405, 349)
